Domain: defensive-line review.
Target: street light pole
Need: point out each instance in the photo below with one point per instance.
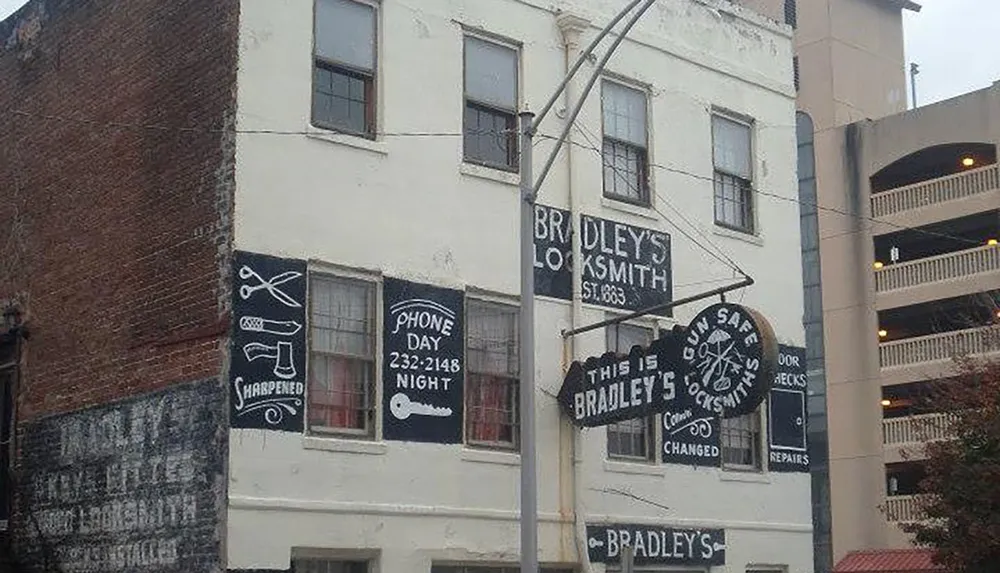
(529, 474)
(527, 126)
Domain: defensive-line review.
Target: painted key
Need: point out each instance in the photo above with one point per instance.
(402, 408)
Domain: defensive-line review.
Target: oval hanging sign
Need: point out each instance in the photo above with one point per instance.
(730, 355)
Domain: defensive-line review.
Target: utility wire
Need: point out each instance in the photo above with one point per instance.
(417, 134)
(719, 255)
(799, 201)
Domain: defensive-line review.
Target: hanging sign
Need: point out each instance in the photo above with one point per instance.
(788, 448)
(691, 435)
(657, 545)
(730, 353)
(422, 362)
(721, 365)
(268, 353)
(614, 388)
(624, 267)
(553, 252)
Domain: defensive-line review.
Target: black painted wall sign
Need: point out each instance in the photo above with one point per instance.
(657, 545)
(691, 435)
(730, 353)
(268, 356)
(423, 362)
(624, 267)
(553, 252)
(614, 388)
(788, 423)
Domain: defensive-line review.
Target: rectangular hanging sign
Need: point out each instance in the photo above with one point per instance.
(655, 545)
(268, 354)
(624, 266)
(788, 419)
(423, 362)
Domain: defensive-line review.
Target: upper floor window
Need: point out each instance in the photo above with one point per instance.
(492, 381)
(625, 147)
(344, 54)
(732, 156)
(341, 355)
(329, 566)
(791, 13)
(631, 440)
(490, 119)
(742, 442)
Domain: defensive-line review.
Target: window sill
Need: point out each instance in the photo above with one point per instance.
(354, 141)
(636, 467)
(491, 457)
(740, 236)
(637, 210)
(747, 476)
(347, 446)
(490, 174)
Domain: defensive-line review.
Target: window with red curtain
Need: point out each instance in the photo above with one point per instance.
(341, 355)
(491, 391)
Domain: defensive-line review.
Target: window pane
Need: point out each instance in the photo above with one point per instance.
(731, 147)
(629, 438)
(624, 113)
(625, 171)
(340, 99)
(622, 337)
(490, 137)
(345, 33)
(741, 440)
(492, 334)
(492, 384)
(341, 353)
(733, 206)
(490, 73)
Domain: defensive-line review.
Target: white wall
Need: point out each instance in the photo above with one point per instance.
(407, 207)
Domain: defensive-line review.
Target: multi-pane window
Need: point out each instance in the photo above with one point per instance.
(492, 364)
(625, 153)
(341, 355)
(732, 155)
(328, 566)
(791, 13)
(487, 569)
(344, 66)
(630, 439)
(490, 123)
(741, 442)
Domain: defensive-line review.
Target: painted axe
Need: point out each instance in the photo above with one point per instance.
(281, 354)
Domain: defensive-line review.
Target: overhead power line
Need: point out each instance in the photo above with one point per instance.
(431, 134)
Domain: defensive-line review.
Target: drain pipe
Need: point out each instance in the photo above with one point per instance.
(572, 27)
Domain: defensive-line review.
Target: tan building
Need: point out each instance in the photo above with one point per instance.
(906, 271)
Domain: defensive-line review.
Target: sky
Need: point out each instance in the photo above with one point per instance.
(952, 41)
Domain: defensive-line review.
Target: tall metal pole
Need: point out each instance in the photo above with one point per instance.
(914, 70)
(526, 351)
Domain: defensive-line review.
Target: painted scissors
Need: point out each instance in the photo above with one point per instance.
(271, 285)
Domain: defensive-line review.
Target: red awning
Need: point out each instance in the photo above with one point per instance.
(887, 561)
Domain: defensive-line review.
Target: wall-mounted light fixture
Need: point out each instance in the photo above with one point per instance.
(991, 242)
(968, 161)
(886, 402)
(882, 333)
(878, 265)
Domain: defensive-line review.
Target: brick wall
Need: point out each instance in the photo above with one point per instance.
(137, 485)
(116, 176)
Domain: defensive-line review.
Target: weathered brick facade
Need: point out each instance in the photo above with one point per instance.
(116, 188)
(117, 216)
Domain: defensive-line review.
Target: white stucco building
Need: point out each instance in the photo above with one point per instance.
(698, 108)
